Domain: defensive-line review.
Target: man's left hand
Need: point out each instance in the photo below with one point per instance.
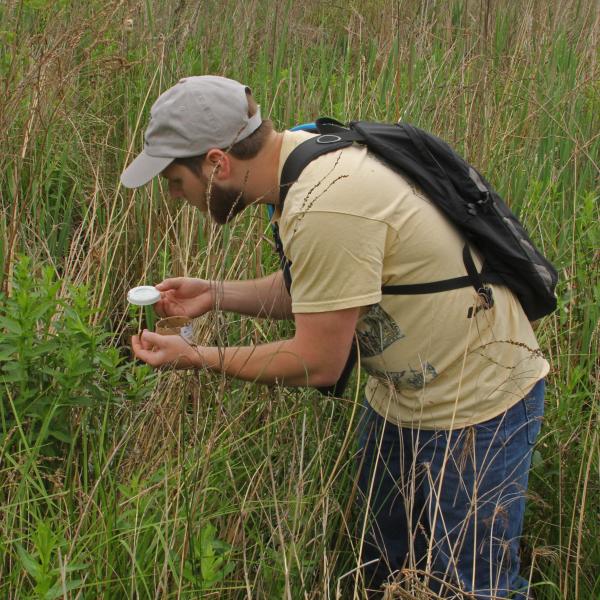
(165, 350)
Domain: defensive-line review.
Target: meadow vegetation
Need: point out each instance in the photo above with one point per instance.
(119, 482)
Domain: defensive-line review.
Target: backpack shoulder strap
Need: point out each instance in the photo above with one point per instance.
(332, 137)
(299, 158)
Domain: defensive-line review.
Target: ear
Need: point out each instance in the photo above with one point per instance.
(218, 164)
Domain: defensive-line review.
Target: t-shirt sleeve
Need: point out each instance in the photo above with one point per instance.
(337, 260)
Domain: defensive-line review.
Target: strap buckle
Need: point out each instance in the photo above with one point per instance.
(328, 138)
(486, 297)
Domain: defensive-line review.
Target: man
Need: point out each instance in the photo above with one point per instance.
(454, 403)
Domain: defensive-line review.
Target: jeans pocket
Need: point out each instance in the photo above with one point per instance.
(534, 411)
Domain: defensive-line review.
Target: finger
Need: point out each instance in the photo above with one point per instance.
(151, 340)
(140, 352)
(170, 284)
(135, 343)
(163, 305)
(159, 350)
(138, 343)
(160, 308)
(150, 358)
(169, 305)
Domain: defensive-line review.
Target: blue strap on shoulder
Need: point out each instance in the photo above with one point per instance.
(312, 127)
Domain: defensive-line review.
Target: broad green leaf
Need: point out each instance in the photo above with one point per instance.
(72, 567)
(11, 325)
(31, 565)
(58, 589)
(6, 353)
(45, 348)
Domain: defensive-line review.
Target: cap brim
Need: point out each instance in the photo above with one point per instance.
(143, 169)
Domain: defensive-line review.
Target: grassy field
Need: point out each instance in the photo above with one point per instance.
(116, 482)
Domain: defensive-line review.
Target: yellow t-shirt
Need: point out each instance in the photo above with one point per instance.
(350, 225)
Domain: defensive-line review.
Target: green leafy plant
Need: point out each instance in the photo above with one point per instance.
(53, 360)
(210, 563)
(43, 564)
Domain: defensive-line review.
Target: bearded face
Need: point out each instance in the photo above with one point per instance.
(188, 182)
(224, 204)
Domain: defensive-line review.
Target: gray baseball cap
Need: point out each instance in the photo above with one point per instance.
(195, 115)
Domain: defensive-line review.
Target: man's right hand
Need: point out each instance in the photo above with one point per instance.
(185, 296)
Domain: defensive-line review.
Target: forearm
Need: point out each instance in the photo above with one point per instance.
(277, 362)
(265, 297)
(315, 356)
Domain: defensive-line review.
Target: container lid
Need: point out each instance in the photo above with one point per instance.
(143, 295)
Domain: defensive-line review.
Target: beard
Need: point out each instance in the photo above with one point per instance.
(224, 205)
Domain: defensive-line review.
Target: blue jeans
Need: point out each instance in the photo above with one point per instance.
(448, 505)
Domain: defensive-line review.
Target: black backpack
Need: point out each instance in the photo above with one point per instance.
(461, 193)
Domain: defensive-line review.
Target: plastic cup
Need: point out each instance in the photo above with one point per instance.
(176, 326)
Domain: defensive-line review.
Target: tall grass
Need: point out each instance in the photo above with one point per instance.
(196, 486)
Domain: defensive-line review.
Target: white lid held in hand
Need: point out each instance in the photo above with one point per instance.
(143, 295)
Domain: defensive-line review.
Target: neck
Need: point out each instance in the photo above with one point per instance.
(259, 176)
